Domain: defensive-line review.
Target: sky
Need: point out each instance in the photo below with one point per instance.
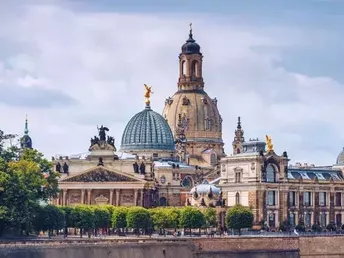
(71, 65)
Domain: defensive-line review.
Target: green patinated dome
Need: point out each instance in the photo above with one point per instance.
(147, 130)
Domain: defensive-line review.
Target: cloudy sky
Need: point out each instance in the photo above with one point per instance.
(73, 65)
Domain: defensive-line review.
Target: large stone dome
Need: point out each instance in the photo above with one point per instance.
(340, 158)
(146, 131)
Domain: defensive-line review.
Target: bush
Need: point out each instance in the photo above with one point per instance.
(138, 218)
(119, 218)
(239, 217)
(191, 218)
(285, 226)
(331, 226)
(316, 227)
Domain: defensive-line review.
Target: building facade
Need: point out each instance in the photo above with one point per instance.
(276, 191)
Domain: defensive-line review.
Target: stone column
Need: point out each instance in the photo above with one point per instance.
(89, 193)
(135, 196)
(118, 193)
(64, 197)
(83, 196)
(111, 196)
(58, 199)
(141, 197)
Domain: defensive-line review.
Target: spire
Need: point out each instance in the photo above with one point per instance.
(190, 34)
(26, 130)
(239, 123)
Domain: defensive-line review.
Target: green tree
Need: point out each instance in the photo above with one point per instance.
(68, 221)
(26, 179)
(119, 218)
(191, 218)
(50, 218)
(83, 218)
(138, 218)
(210, 217)
(22, 184)
(101, 218)
(239, 217)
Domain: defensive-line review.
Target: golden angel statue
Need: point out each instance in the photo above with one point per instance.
(269, 143)
(148, 94)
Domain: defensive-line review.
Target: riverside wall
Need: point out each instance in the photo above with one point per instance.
(234, 247)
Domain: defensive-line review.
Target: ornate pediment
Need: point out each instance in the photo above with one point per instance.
(100, 174)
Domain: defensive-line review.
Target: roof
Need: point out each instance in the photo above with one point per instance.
(169, 164)
(315, 173)
(147, 130)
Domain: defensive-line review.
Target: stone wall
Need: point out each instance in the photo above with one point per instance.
(235, 247)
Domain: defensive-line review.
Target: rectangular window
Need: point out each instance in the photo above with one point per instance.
(237, 177)
(307, 198)
(272, 223)
(271, 198)
(338, 199)
(292, 199)
(322, 199)
(308, 220)
(292, 219)
(323, 220)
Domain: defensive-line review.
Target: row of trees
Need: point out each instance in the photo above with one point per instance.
(26, 181)
(92, 219)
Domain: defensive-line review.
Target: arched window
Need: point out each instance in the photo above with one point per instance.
(187, 182)
(184, 67)
(237, 198)
(194, 67)
(270, 174)
(213, 159)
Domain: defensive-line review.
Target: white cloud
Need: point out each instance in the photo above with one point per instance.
(103, 59)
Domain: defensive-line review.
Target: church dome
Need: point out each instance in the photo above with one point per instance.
(191, 47)
(147, 130)
(198, 113)
(340, 158)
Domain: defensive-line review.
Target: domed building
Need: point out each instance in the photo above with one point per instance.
(340, 158)
(205, 195)
(148, 134)
(193, 115)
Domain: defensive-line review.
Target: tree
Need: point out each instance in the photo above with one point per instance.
(119, 218)
(50, 218)
(68, 222)
(22, 184)
(83, 218)
(101, 218)
(239, 217)
(26, 179)
(210, 217)
(138, 218)
(191, 218)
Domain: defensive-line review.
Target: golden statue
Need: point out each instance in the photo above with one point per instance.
(148, 94)
(269, 143)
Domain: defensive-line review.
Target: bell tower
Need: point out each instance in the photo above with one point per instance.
(190, 65)
(238, 138)
(192, 114)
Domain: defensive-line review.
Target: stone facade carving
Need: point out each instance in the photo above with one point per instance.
(99, 175)
(101, 200)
